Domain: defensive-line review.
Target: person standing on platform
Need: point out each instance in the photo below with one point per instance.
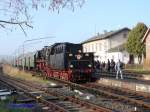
(112, 65)
(108, 66)
(103, 66)
(98, 65)
(118, 68)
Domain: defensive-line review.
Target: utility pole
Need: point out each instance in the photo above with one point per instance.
(23, 46)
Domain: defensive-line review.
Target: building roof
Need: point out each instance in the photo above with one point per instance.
(146, 34)
(105, 35)
(119, 48)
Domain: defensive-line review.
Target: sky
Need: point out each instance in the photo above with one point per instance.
(75, 26)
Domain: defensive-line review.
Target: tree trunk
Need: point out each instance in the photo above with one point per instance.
(131, 59)
(139, 59)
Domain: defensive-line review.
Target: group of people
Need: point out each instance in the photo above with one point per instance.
(110, 66)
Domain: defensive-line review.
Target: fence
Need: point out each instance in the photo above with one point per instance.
(134, 66)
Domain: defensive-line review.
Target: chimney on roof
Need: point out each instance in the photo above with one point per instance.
(98, 34)
(105, 31)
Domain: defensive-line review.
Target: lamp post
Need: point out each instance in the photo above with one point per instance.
(30, 41)
(16, 55)
(118, 54)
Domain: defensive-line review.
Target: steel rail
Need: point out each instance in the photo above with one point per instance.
(105, 93)
(74, 100)
(53, 106)
(118, 89)
(126, 94)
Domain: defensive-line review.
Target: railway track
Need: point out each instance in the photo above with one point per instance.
(31, 93)
(103, 99)
(63, 103)
(140, 99)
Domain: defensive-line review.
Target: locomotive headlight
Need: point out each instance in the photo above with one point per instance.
(90, 65)
(71, 66)
(86, 54)
(79, 51)
(70, 55)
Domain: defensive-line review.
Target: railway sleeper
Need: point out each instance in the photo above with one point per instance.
(147, 100)
(110, 95)
(53, 106)
(135, 97)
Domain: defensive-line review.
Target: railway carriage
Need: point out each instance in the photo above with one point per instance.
(29, 61)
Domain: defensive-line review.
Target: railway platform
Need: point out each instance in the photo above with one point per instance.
(131, 84)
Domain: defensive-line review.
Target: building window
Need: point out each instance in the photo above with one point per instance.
(88, 48)
(92, 47)
(100, 46)
(105, 46)
(124, 35)
(83, 49)
(96, 45)
(113, 57)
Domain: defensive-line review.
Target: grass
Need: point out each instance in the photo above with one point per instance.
(15, 72)
(4, 106)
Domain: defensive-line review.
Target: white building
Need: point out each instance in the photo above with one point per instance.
(119, 53)
(103, 44)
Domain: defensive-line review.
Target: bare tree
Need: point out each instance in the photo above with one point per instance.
(16, 12)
